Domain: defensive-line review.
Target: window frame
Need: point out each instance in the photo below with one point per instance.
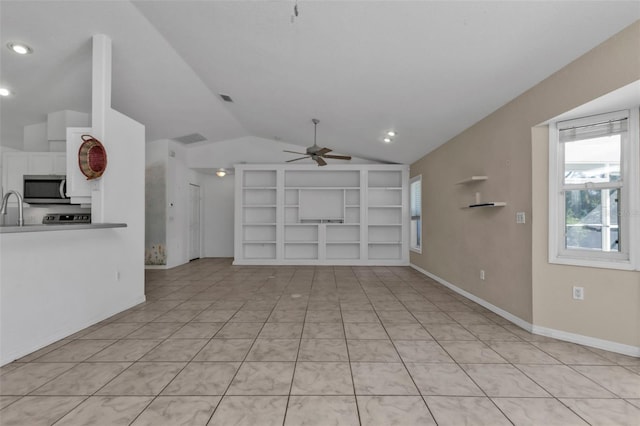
(417, 249)
(629, 214)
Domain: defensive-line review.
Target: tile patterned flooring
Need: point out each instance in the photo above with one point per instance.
(217, 344)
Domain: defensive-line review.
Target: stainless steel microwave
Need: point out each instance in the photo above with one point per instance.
(45, 189)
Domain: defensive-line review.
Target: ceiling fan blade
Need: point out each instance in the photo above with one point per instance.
(293, 152)
(323, 151)
(296, 159)
(338, 157)
(320, 161)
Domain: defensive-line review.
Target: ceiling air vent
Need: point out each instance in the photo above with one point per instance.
(226, 98)
(192, 138)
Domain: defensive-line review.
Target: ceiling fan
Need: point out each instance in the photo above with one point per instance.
(316, 153)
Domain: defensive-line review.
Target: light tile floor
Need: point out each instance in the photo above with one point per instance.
(217, 344)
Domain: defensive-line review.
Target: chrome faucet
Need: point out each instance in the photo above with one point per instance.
(5, 200)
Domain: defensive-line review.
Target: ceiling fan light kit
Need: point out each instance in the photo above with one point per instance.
(316, 153)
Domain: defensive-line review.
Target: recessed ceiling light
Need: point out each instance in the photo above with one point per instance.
(387, 140)
(391, 133)
(221, 173)
(20, 48)
(4, 91)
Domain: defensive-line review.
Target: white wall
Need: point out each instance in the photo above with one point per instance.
(35, 137)
(55, 283)
(218, 206)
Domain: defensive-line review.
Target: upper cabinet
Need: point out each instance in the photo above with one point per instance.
(334, 215)
(78, 187)
(17, 164)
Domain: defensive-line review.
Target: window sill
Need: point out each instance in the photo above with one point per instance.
(416, 250)
(623, 265)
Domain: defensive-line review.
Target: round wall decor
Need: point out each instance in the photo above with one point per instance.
(92, 157)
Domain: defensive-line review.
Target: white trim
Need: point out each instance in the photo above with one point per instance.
(593, 342)
(633, 185)
(580, 339)
(628, 258)
(623, 265)
(411, 181)
(493, 308)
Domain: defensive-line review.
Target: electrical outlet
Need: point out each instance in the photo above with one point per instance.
(520, 217)
(578, 293)
(482, 274)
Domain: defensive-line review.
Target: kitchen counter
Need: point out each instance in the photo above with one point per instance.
(13, 229)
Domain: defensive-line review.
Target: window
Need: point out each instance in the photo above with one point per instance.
(593, 190)
(415, 189)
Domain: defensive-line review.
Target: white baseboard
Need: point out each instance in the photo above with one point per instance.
(155, 267)
(66, 331)
(593, 342)
(580, 339)
(493, 308)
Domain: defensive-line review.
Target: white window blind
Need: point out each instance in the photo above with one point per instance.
(416, 199)
(590, 131)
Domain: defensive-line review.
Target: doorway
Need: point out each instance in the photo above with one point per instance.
(194, 221)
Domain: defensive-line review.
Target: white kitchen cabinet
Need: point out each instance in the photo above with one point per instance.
(14, 166)
(78, 187)
(17, 164)
(334, 215)
(47, 163)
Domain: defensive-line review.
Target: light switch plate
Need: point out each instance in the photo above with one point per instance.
(520, 217)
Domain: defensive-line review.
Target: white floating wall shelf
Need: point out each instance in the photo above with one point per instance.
(488, 204)
(472, 179)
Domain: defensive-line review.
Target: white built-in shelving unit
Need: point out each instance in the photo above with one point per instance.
(334, 215)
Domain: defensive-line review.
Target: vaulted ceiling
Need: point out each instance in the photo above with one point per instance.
(426, 69)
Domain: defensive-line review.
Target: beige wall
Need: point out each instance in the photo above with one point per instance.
(457, 242)
(611, 307)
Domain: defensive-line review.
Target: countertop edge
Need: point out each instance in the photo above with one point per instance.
(48, 228)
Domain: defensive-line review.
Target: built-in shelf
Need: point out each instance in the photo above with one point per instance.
(488, 204)
(322, 187)
(292, 214)
(472, 179)
(301, 242)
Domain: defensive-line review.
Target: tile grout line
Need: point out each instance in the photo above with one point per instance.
(242, 362)
(344, 330)
(459, 366)
(400, 357)
(251, 288)
(295, 365)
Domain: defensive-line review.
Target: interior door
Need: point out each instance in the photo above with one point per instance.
(194, 221)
